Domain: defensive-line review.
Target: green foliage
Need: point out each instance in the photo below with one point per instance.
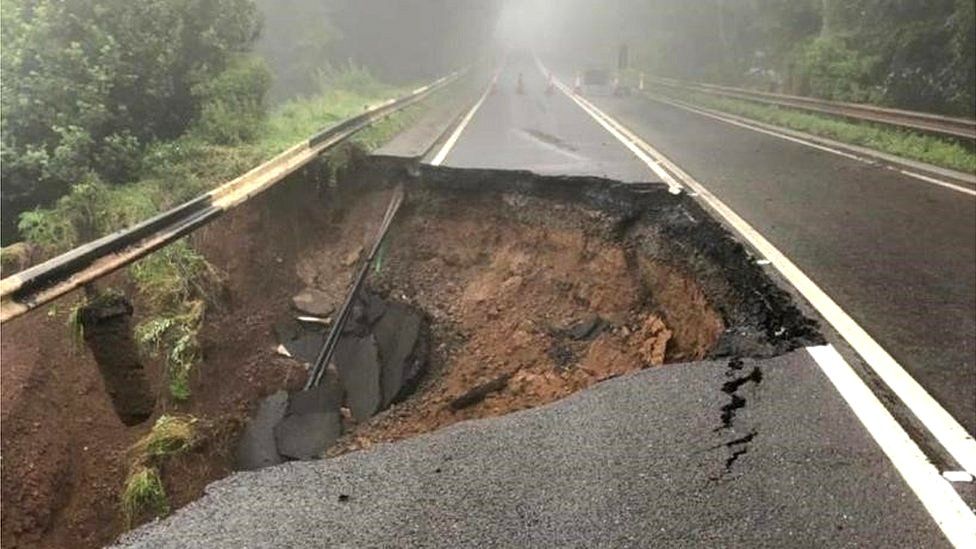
(906, 144)
(176, 282)
(831, 70)
(233, 103)
(88, 83)
(170, 435)
(91, 209)
(903, 53)
(350, 78)
(143, 494)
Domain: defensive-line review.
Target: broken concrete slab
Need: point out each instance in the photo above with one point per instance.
(307, 436)
(257, 447)
(327, 397)
(358, 363)
(314, 302)
(375, 308)
(397, 334)
(300, 340)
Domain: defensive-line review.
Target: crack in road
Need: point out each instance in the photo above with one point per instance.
(739, 446)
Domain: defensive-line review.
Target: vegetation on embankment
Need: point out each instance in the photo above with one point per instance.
(913, 145)
(176, 284)
(910, 54)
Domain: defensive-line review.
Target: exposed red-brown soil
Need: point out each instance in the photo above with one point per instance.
(502, 281)
(64, 449)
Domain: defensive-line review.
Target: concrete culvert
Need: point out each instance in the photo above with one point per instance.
(106, 324)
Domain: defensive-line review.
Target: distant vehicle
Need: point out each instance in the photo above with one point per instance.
(596, 81)
(600, 81)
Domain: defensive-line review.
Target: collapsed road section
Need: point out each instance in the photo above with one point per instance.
(497, 291)
(632, 376)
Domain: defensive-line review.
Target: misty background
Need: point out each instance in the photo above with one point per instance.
(99, 96)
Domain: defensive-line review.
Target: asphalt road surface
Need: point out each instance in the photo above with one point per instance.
(896, 253)
(644, 460)
(639, 461)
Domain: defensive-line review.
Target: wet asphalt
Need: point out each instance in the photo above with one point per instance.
(896, 253)
(645, 460)
(648, 459)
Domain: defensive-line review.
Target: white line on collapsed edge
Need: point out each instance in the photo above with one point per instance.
(456, 134)
(943, 426)
(947, 508)
(729, 120)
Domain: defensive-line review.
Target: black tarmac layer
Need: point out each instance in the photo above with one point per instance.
(732, 454)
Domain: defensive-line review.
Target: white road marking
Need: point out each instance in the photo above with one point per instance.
(673, 186)
(954, 517)
(957, 476)
(735, 121)
(627, 140)
(953, 437)
(943, 503)
(456, 134)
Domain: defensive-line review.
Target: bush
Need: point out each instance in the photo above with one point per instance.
(87, 83)
(830, 70)
(233, 103)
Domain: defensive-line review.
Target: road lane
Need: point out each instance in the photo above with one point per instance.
(898, 254)
(539, 131)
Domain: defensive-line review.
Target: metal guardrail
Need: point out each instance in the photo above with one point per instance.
(33, 287)
(926, 122)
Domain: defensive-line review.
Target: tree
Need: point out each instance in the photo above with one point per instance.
(87, 84)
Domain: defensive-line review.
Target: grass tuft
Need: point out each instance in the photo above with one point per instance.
(143, 494)
(170, 435)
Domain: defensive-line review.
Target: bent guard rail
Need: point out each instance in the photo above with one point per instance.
(33, 287)
(926, 122)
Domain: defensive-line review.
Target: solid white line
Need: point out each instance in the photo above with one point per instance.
(943, 503)
(938, 182)
(673, 186)
(749, 125)
(456, 134)
(936, 419)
